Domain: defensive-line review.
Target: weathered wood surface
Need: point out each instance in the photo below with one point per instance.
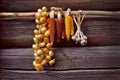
(105, 74)
(66, 58)
(75, 63)
(30, 5)
(101, 30)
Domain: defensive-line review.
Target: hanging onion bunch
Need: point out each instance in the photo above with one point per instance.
(42, 47)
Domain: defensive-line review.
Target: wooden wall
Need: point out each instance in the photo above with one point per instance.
(99, 60)
(30, 5)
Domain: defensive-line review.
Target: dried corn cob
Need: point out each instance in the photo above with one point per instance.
(63, 28)
(58, 29)
(72, 27)
(51, 23)
(68, 27)
(58, 26)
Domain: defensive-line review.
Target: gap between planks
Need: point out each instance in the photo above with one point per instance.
(60, 71)
(111, 74)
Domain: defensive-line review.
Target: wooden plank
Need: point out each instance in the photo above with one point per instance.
(105, 74)
(101, 31)
(66, 58)
(30, 5)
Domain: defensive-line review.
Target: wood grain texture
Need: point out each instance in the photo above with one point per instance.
(101, 30)
(66, 58)
(30, 5)
(105, 74)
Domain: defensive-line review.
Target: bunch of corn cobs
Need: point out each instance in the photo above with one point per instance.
(52, 26)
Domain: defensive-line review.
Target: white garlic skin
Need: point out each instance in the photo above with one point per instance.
(83, 42)
(78, 40)
(73, 38)
(85, 37)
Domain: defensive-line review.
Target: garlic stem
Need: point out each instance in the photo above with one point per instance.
(79, 36)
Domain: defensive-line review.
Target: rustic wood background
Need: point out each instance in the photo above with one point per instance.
(30, 5)
(99, 60)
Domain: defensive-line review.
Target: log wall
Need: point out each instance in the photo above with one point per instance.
(98, 60)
